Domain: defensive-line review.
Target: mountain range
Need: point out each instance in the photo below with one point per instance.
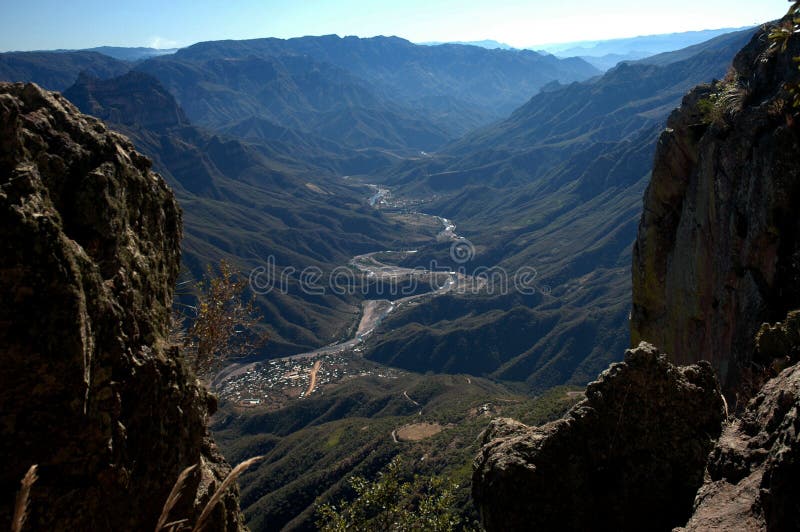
(486, 43)
(556, 187)
(451, 88)
(607, 53)
(255, 137)
(247, 202)
(270, 144)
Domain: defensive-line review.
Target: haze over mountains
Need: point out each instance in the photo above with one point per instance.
(486, 43)
(605, 54)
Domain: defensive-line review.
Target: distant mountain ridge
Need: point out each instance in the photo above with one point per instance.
(486, 43)
(58, 70)
(246, 202)
(382, 93)
(651, 44)
(294, 91)
(124, 53)
(455, 87)
(607, 53)
(557, 186)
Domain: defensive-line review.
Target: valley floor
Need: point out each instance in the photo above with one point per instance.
(270, 384)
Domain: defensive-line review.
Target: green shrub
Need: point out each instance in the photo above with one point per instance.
(391, 504)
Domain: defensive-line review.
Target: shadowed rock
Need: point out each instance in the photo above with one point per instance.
(629, 457)
(89, 253)
(754, 469)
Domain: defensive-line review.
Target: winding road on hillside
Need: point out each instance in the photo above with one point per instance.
(373, 311)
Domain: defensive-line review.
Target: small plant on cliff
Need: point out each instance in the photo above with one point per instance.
(729, 97)
(780, 36)
(391, 504)
(223, 322)
(783, 32)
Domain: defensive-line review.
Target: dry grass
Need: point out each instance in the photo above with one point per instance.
(202, 521)
(174, 496)
(177, 492)
(23, 498)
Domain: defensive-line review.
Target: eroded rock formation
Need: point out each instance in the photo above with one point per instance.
(718, 251)
(629, 457)
(91, 392)
(754, 469)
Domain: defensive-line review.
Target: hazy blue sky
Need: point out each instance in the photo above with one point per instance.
(48, 24)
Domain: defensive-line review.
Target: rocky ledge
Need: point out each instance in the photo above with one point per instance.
(629, 457)
(753, 472)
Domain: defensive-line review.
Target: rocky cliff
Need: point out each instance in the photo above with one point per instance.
(718, 250)
(92, 392)
(717, 256)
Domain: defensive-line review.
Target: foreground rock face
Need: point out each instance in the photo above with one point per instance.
(753, 471)
(719, 239)
(629, 457)
(89, 253)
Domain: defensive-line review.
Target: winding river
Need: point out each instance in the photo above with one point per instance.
(373, 311)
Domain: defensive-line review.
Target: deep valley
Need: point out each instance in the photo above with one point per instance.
(439, 246)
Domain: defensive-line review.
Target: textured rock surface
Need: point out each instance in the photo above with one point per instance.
(89, 252)
(780, 342)
(718, 250)
(753, 471)
(629, 457)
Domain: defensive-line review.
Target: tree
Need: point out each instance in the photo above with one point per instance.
(390, 504)
(223, 323)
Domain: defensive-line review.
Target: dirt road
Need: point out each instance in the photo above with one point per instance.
(312, 383)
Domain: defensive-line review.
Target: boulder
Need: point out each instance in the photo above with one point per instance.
(630, 456)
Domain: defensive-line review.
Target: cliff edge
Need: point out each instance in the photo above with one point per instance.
(753, 471)
(716, 260)
(92, 393)
(718, 250)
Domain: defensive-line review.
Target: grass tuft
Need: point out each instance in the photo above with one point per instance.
(230, 479)
(174, 496)
(23, 499)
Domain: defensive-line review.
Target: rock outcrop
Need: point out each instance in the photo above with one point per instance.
(718, 250)
(717, 256)
(629, 457)
(754, 469)
(91, 390)
(134, 100)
